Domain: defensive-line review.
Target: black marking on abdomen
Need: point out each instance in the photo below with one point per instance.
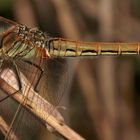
(70, 50)
(89, 51)
(109, 51)
(129, 51)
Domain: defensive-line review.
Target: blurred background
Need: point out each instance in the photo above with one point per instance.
(102, 98)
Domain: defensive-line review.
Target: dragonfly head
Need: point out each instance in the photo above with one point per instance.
(22, 30)
(36, 37)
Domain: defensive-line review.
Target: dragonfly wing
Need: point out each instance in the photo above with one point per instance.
(6, 24)
(19, 120)
(24, 122)
(56, 80)
(51, 85)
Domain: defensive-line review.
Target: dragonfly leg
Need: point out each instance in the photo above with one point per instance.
(16, 71)
(41, 72)
(1, 62)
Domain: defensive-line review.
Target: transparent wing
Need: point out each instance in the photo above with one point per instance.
(6, 24)
(55, 80)
(51, 87)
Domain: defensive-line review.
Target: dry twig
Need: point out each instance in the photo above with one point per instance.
(4, 129)
(43, 114)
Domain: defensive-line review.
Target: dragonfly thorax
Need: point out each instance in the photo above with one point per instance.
(33, 37)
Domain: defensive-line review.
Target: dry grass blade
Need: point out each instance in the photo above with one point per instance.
(69, 28)
(33, 106)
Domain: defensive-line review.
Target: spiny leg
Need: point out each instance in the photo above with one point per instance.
(1, 63)
(19, 108)
(29, 62)
(16, 71)
(17, 75)
(36, 66)
(41, 72)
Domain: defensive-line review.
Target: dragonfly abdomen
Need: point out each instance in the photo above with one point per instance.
(62, 47)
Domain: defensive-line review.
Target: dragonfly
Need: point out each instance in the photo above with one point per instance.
(26, 50)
